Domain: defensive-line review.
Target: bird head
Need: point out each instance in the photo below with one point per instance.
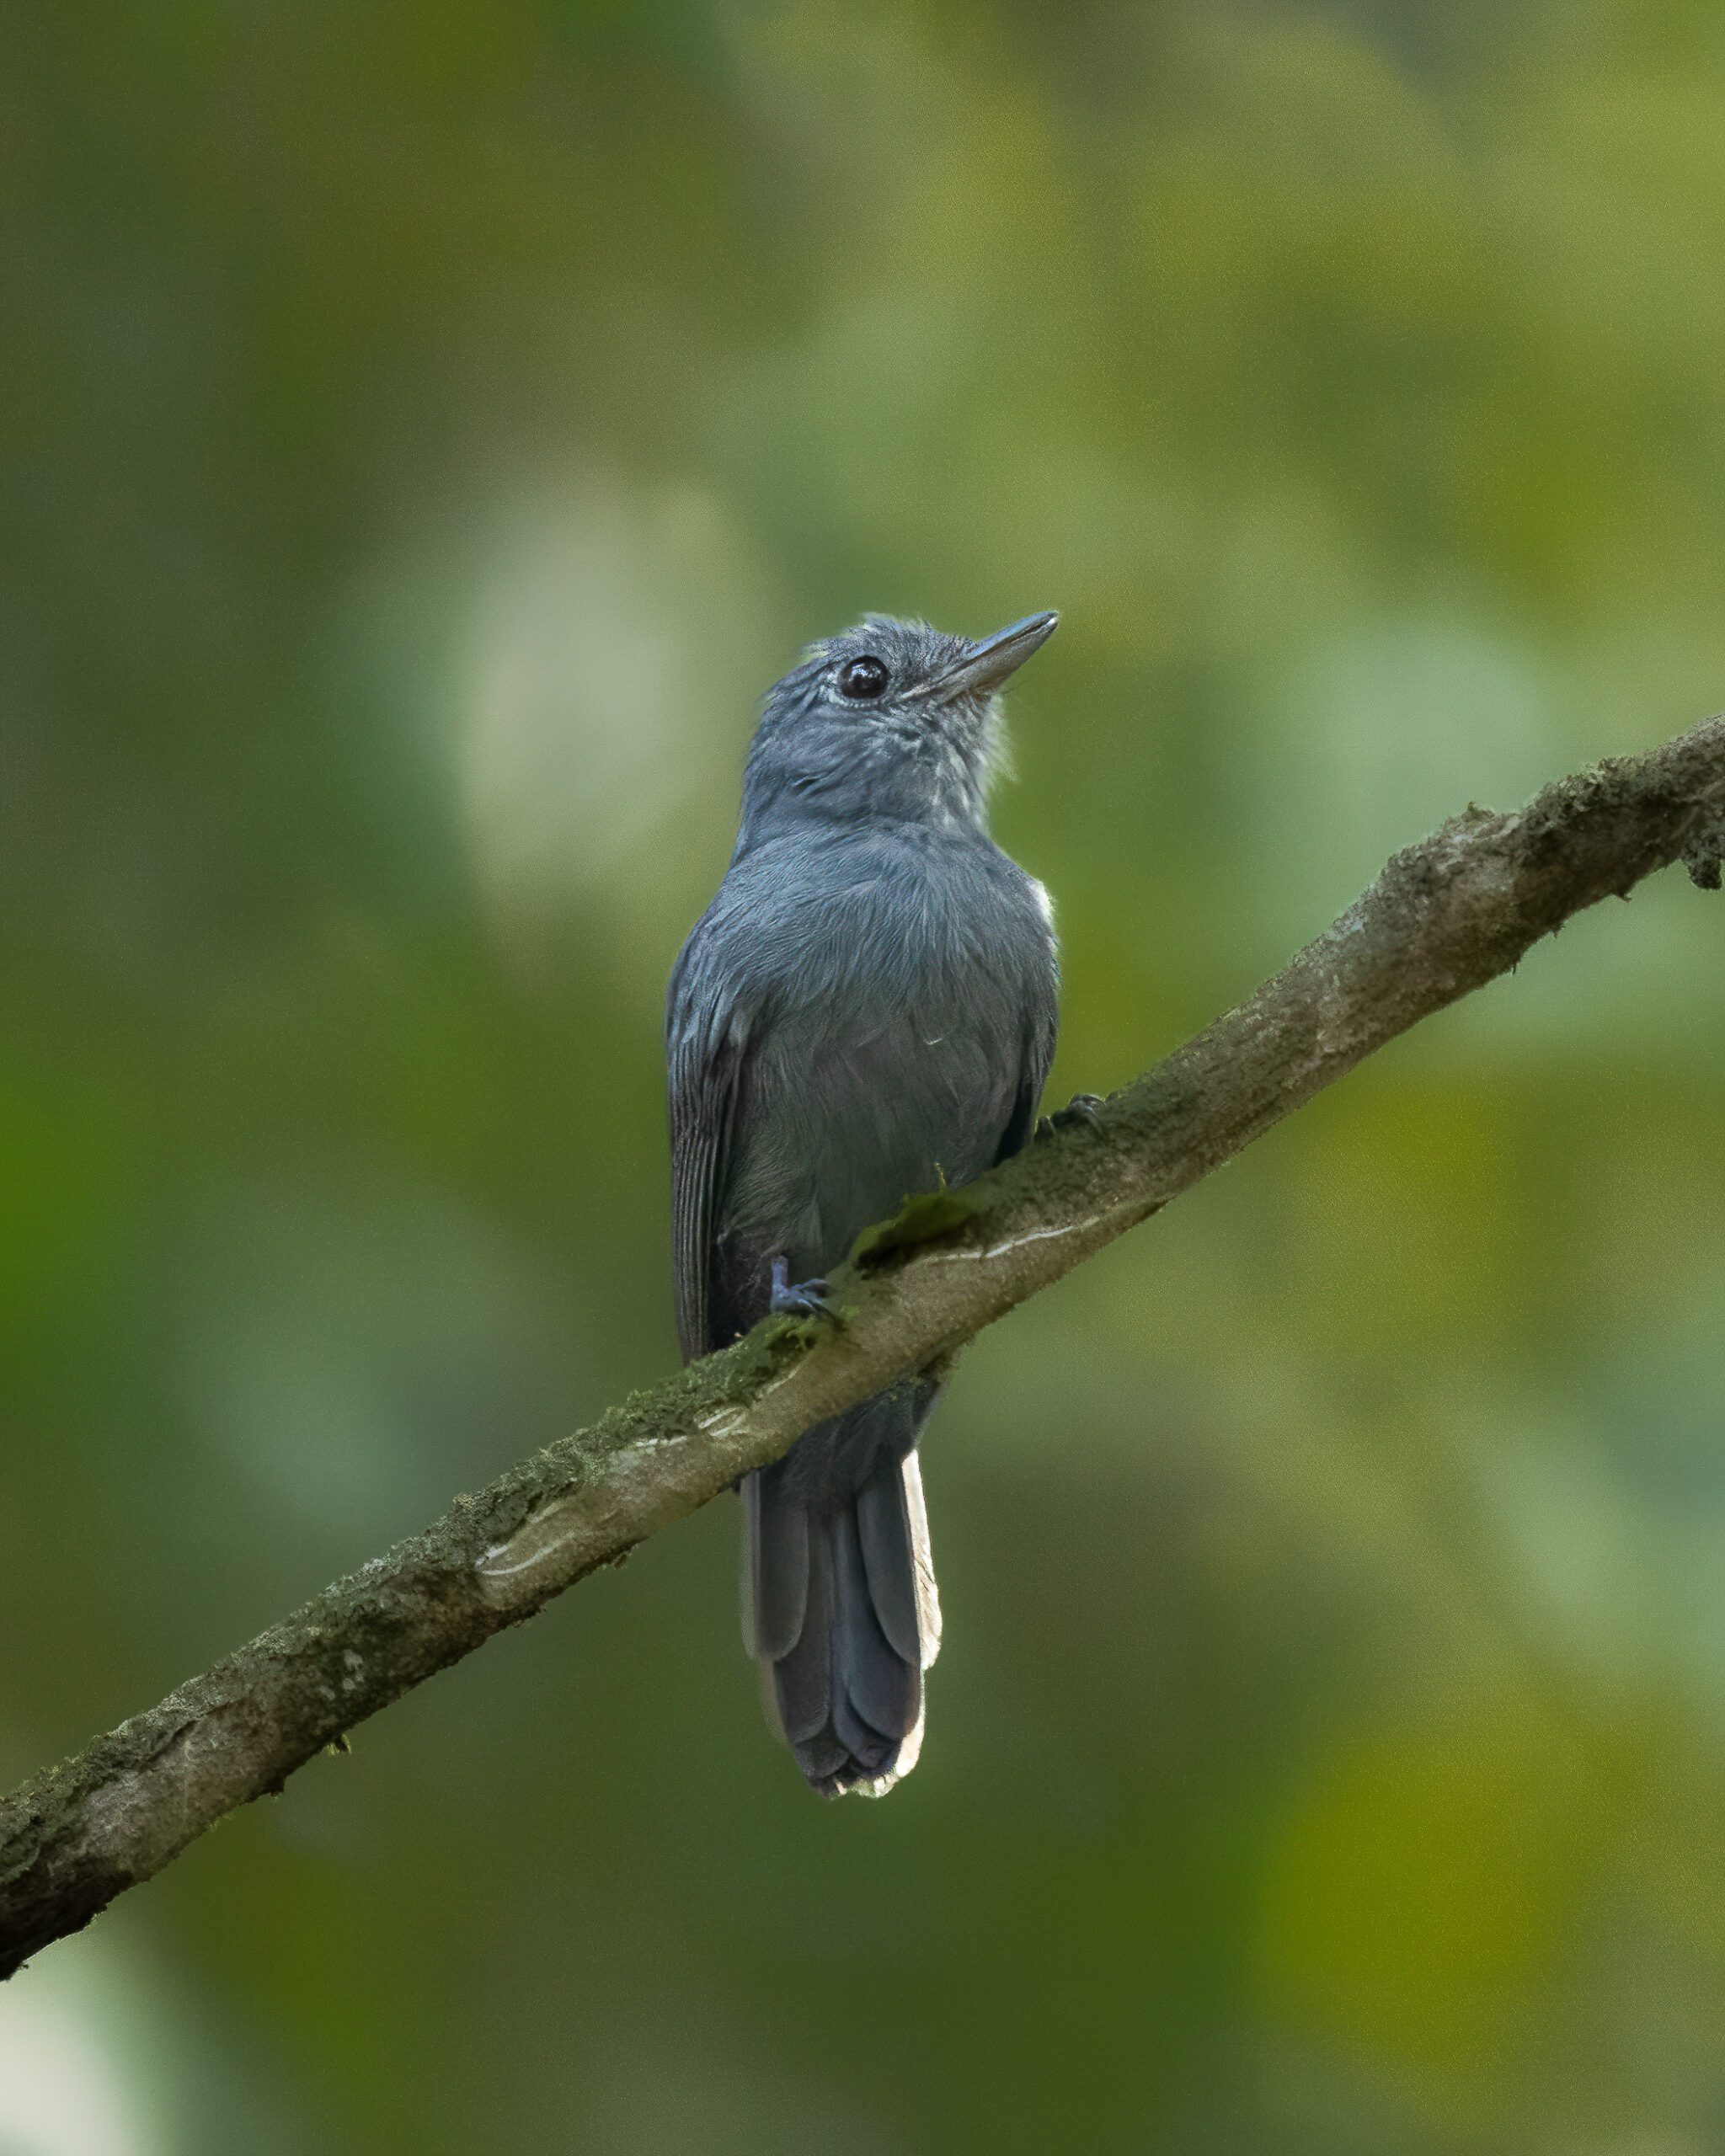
(892, 720)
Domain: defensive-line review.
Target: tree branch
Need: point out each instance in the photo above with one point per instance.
(1443, 917)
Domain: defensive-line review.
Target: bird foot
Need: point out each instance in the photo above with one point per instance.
(1083, 1109)
(796, 1298)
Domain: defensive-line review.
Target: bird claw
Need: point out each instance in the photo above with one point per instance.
(1081, 1110)
(796, 1298)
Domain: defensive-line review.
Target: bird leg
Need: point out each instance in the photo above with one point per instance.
(1083, 1108)
(803, 1298)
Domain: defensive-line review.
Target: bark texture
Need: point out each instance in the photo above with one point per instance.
(1442, 919)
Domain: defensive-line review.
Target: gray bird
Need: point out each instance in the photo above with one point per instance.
(866, 1009)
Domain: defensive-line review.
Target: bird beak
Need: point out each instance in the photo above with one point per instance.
(986, 664)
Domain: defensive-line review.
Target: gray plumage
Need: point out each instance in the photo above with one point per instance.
(866, 1009)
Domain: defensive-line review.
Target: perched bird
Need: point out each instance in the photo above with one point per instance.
(866, 1009)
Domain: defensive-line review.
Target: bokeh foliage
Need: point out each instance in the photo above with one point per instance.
(424, 428)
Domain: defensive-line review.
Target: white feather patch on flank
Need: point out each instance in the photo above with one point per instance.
(1045, 904)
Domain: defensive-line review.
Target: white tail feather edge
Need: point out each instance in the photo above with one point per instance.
(928, 1594)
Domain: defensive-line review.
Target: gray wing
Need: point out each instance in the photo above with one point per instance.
(1037, 1052)
(706, 1033)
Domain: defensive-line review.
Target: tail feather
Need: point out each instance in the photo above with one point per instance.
(776, 1574)
(842, 1616)
(928, 1594)
(882, 1681)
(802, 1679)
(882, 1523)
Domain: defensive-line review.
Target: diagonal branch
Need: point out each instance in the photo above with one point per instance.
(1442, 919)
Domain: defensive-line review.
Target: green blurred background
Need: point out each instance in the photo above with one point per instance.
(425, 428)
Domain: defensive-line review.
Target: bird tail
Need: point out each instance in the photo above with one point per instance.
(843, 1617)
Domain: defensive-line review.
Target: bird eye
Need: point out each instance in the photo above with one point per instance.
(862, 680)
